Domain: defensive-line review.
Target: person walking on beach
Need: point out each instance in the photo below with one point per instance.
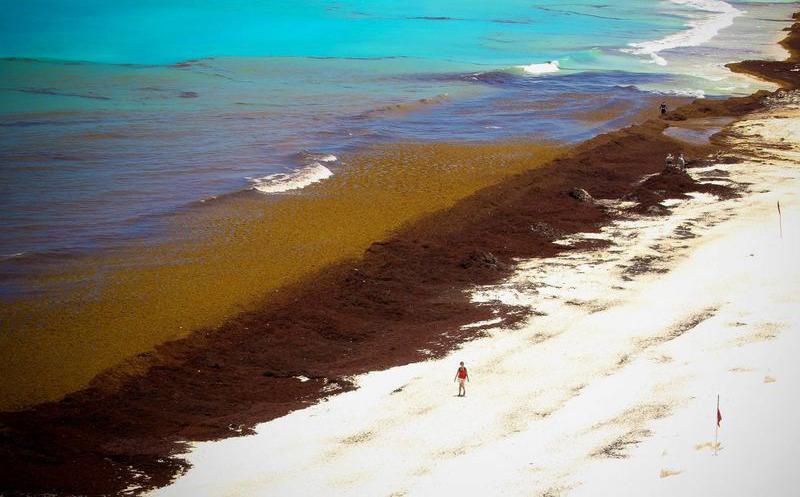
(663, 108)
(681, 162)
(461, 376)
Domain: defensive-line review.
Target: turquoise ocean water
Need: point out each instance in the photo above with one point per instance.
(114, 115)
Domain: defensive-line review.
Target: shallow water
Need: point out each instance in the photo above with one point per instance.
(697, 131)
(157, 115)
(226, 257)
(148, 151)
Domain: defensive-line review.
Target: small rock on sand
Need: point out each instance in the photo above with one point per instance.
(581, 195)
(481, 259)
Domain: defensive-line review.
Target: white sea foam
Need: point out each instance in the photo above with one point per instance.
(547, 67)
(700, 31)
(295, 180)
(326, 158)
(12, 256)
(678, 92)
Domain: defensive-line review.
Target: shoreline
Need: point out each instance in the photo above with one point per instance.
(375, 313)
(609, 389)
(148, 292)
(182, 280)
(779, 72)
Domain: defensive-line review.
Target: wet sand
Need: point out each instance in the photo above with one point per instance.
(230, 255)
(784, 72)
(402, 301)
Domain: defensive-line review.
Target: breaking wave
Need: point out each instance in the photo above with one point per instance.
(700, 31)
(314, 172)
(546, 68)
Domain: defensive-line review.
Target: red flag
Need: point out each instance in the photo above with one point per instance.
(719, 416)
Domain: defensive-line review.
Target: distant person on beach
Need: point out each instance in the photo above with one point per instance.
(681, 162)
(669, 161)
(663, 108)
(461, 377)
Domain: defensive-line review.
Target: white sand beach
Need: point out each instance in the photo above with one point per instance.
(609, 389)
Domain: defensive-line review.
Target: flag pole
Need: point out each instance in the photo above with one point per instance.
(780, 219)
(716, 428)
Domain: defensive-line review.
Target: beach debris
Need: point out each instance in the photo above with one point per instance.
(241, 429)
(581, 195)
(618, 448)
(302, 376)
(545, 230)
(675, 116)
(714, 174)
(377, 246)
(481, 259)
(721, 158)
